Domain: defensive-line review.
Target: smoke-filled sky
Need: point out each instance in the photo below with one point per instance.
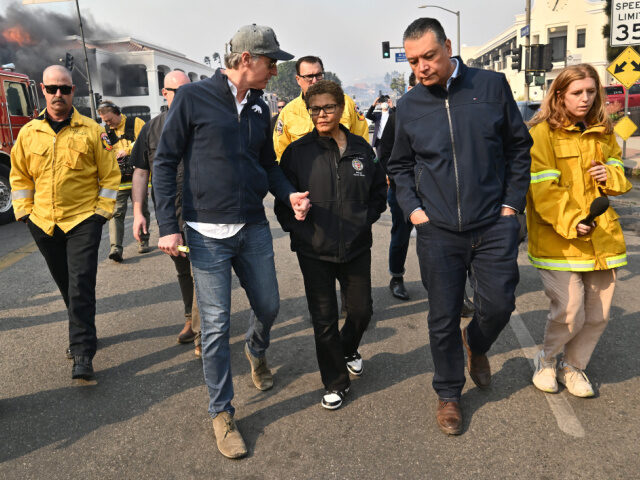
(347, 34)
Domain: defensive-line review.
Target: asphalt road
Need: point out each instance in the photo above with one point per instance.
(147, 416)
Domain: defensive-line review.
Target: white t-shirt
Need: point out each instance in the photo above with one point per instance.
(222, 230)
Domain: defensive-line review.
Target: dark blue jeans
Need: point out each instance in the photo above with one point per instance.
(400, 234)
(250, 253)
(489, 256)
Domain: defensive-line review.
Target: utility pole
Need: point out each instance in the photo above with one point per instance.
(92, 100)
(527, 44)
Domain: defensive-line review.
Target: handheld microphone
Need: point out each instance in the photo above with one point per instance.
(597, 208)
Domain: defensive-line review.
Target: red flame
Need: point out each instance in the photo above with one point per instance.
(17, 35)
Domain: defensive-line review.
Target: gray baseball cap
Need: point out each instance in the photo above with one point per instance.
(258, 40)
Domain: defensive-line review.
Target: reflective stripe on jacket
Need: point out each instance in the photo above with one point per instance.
(561, 193)
(294, 122)
(63, 179)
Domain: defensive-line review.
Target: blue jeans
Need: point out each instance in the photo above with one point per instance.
(250, 253)
(489, 255)
(400, 234)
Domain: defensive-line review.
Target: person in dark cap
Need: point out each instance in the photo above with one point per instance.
(220, 128)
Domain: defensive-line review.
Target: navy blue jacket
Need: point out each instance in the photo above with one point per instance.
(460, 155)
(229, 162)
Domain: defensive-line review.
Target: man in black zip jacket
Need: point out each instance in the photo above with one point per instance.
(220, 128)
(461, 165)
(142, 156)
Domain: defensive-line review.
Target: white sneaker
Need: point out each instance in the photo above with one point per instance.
(544, 378)
(354, 364)
(333, 400)
(575, 380)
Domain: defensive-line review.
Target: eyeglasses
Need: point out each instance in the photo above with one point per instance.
(272, 61)
(280, 107)
(174, 90)
(328, 109)
(310, 77)
(53, 89)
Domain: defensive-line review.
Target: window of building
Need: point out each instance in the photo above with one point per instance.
(141, 111)
(558, 41)
(17, 99)
(133, 81)
(581, 38)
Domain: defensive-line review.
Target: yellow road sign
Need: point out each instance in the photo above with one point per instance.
(625, 128)
(626, 68)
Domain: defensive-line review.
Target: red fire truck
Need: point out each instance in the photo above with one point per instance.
(18, 105)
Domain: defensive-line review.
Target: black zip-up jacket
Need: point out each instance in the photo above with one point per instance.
(460, 155)
(229, 162)
(347, 195)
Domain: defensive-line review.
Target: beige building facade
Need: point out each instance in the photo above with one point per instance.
(572, 27)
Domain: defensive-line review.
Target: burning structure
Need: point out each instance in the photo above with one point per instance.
(123, 69)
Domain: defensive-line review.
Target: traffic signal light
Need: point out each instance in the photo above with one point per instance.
(535, 55)
(68, 62)
(386, 50)
(98, 98)
(547, 58)
(516, 59)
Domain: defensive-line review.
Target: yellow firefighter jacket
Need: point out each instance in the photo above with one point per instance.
(561, 192)
(294, 122)
(63, 179)
(126, 145)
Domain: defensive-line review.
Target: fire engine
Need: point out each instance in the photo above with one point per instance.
(18, 105)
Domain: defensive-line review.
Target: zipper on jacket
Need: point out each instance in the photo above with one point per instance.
(455, 163)
(53, 179)
(340, 246)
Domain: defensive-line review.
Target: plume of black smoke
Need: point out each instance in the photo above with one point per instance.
(47, 45)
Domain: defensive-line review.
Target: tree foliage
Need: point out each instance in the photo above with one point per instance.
(285, 85)
(398, 84)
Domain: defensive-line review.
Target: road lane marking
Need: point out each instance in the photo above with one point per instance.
(26, 250)
(560, 407)
(17, 255)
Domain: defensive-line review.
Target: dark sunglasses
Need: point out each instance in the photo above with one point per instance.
(53, 89)
(174, 90)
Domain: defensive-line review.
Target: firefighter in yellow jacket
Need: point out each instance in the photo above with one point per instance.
(123, 132)
(294, 121)
(575, 158)
(64, 181)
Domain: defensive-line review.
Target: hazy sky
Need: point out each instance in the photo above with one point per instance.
(347, 34)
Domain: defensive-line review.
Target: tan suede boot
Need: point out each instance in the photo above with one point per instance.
(228, 438)
(260, 373)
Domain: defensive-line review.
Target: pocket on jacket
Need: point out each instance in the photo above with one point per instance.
(38, 158)
(568, 162)
(76, 150)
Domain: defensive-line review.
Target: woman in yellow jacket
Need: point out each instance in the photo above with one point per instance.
(575, 158)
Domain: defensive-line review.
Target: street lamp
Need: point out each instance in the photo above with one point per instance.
(457, 14)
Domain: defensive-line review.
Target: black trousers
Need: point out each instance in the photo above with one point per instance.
(332, 344)
(72, 259)
(489, 255)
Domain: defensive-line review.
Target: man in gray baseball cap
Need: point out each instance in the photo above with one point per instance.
(258, 40)
(228, 167)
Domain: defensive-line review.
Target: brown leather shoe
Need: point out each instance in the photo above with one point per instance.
(477, 364)
(449, 417)
(187, 335)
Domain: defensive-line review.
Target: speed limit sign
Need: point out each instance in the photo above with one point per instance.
(625, 23)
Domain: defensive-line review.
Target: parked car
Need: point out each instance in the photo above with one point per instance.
(615, 93)
(528, 109)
